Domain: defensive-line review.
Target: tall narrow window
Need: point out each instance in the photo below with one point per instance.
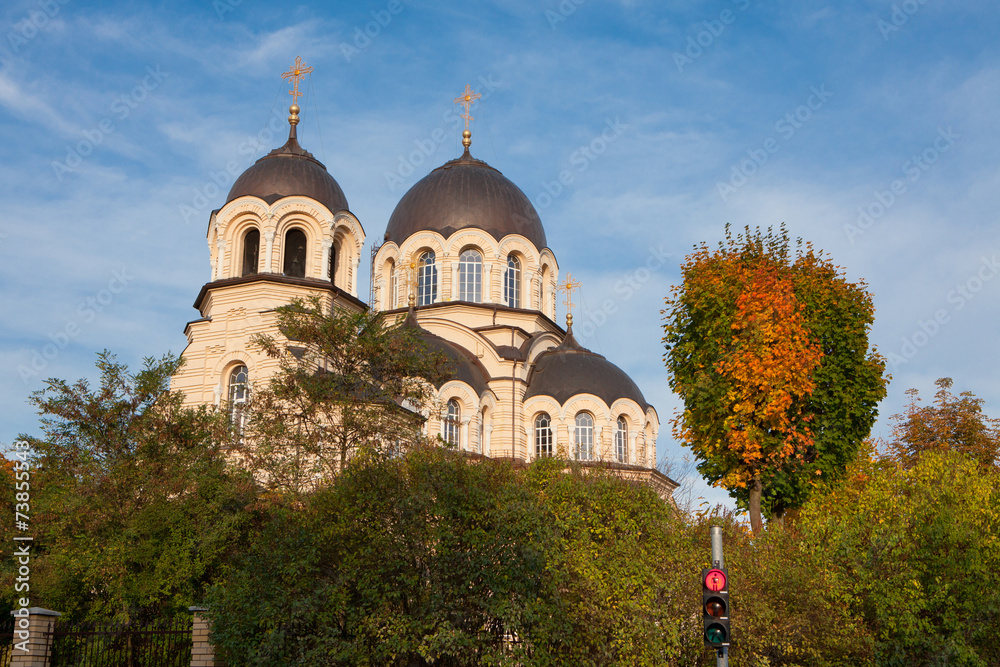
(239, 394)
(647, 439)
(390, 298)
(621, 440)
(543, 436)
(450, 430)
(584, 437)
(426, 279)
(334, 251)
(295, 253)
(470, 276)
(547, 305)
(512, 282)
(482, 431)
(251, 250)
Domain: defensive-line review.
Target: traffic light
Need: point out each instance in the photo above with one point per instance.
(715, 606)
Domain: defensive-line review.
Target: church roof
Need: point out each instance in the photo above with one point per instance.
(570, 369)
(290, 170)
(463, 193)
(462, 365)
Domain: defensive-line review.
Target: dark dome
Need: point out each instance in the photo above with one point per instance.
(465, 193)
(568, 370)
(289, 170)
(462, 365)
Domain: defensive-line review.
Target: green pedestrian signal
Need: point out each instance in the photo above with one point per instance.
(715, 607)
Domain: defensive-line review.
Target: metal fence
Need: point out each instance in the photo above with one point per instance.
(161, 644)
(6, 641)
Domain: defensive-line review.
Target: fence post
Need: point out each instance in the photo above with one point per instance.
(32, 644)
(202, 651)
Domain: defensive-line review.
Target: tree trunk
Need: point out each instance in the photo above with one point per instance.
(756, 523)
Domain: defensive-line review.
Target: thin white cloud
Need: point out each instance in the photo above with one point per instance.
(20, 103)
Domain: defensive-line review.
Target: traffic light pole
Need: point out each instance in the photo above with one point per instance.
(722, 654)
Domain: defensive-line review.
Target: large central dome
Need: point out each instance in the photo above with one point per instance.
(465, 193)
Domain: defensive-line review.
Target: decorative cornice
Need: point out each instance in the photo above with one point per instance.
(312, 283)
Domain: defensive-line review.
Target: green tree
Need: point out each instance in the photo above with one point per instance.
(918, 550)
(789, 605)
(348, 382)
(134, 509)
(954, 423)
(429, 558)
(621, 574)
(413, 560)
(738, 332)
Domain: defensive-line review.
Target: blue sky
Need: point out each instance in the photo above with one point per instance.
(867, 127)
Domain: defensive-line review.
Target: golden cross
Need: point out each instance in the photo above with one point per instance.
(466, 100)
(296, 73)
(568, 287)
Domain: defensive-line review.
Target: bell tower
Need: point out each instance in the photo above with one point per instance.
(285, 231)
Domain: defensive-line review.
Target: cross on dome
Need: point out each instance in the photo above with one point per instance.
(466, 100)
(568, 287)
(296, 74)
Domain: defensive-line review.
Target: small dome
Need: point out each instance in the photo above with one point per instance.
(289, 170)
(461, 364)
(569, 369)
(465, 193)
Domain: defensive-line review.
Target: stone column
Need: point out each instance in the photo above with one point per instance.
(465, 434)
(563, 441)
(202, 651)
(268, 252)
(220, 249)
(325, 271)
(32, 637)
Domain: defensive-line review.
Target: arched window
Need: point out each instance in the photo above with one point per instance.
(334, 252)
(512, 282)
(449, 430)
(251, 250)
(621, 440)
(427, 276)
(543, 436)
(295, 253)
(584, 437)
(239, 394)
(470, 276)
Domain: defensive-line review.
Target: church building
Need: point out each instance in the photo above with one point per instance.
(464, 257)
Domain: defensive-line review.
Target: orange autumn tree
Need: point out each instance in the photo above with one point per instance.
(769, 353)
(951, 423)
(769, 371)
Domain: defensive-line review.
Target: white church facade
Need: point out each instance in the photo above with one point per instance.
(464, 255)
